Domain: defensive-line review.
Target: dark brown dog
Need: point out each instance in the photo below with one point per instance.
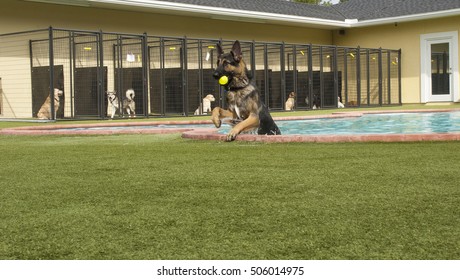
(245, 109)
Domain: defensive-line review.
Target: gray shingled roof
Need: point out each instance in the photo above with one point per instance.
(282, 7)
(378, 9)
(352, 9)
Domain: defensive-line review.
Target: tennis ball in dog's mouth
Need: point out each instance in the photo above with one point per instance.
(223, 80)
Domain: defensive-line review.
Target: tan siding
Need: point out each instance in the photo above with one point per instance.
(404, 36)
(18, 15)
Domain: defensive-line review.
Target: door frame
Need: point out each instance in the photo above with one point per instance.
(426, 40)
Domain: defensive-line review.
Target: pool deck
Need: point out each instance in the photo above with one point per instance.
(211, 132)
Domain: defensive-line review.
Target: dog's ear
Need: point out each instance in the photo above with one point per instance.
(220, 51)
(236, 51)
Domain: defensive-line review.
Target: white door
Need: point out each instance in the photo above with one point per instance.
(439, 67)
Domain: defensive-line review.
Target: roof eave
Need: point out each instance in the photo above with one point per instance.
(417, 17)
(245, 16)
(219, 13)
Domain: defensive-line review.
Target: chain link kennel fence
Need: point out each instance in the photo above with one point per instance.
(173, 75)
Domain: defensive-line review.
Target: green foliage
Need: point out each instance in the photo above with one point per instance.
(163, 197)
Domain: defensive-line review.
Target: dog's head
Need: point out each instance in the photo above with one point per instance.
(210, 97)
(292, 95)
(230, 64)
(57, 94)
(111, 95)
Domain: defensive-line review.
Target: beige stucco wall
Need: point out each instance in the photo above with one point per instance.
(19, 15)
(404, 36)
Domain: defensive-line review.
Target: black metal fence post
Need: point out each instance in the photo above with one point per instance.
(51, 62)
(100, 65)
(310, 75)
(294, 74)
(266, 76)
(145, 75)
(185, 77)
(162, 78)
(399, 77)
(389, 76)
(336, 77)
(283, 76)
(380, 78)
(368, 76)
(345, 76)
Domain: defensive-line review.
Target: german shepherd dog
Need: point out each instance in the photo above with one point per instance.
(245, 109)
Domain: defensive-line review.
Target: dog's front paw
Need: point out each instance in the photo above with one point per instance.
(216, 121)
(215, 117)
(232, 135)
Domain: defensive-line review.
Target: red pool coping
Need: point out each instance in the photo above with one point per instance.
(211, 132)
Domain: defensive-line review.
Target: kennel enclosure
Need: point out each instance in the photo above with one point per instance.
(172, 75)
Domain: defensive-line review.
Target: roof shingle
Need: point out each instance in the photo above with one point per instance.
(352, 9)
(378, 9)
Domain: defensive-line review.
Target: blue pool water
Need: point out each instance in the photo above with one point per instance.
(393, 123)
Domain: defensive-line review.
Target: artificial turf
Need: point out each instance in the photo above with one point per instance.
(163, 197)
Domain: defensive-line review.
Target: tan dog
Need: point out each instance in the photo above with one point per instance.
(290, 102)
(205, 106)
(352, 103)
(45, 111)
(245, 108)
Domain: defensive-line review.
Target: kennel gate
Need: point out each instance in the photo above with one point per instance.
(129, 68)
(201, 62)
(167, 76)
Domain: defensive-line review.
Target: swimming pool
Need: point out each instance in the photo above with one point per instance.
(425, 125)
(390, 123)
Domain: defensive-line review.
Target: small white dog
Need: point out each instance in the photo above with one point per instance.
(290, 102)
(128, 103)
(45, 111)
(205, 106)
(340, 104)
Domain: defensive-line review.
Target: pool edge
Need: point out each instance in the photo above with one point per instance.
(211, 133)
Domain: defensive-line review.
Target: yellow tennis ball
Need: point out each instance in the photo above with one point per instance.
(223, 80)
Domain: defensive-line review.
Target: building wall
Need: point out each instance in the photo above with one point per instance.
(404, 36)
(20, 15)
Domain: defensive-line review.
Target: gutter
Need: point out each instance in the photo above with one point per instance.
(218, 12)
(408, 18)
(245, 16)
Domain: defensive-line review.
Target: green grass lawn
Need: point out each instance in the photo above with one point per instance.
(163, 197)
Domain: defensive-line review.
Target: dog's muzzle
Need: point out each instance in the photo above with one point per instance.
(216, 75)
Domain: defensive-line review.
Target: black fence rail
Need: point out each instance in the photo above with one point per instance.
(173, 75)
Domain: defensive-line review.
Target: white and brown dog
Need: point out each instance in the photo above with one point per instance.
(290, 102)
(205, 106)
(128, 104)
(45, 110)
